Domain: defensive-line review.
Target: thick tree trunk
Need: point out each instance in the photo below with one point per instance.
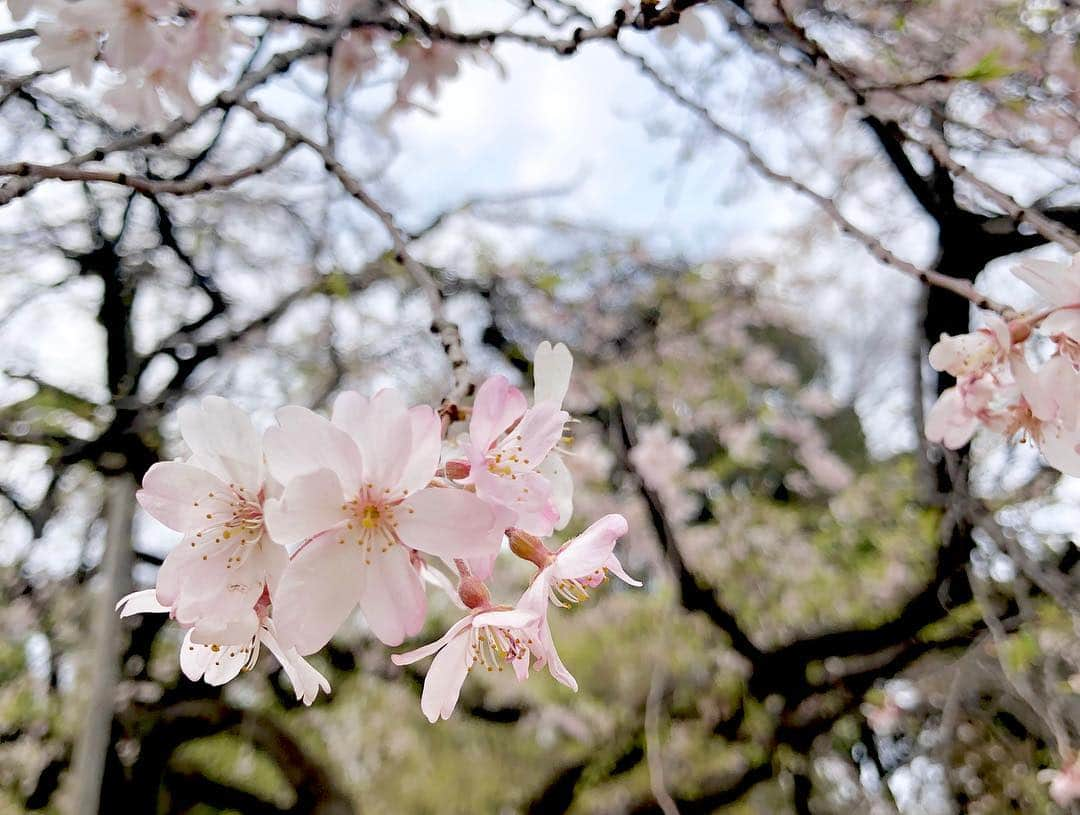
(92, 747)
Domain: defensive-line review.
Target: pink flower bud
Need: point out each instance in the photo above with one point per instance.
(473, 593)
(529, 547)
(1019, 330)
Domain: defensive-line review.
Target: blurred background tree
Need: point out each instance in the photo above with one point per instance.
(836, 614)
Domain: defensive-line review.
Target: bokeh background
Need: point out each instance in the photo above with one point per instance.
(821, 627)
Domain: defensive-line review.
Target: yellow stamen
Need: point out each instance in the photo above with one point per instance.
(370, 519)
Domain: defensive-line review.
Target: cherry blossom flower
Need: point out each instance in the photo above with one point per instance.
(149, 93)
(510, 447)
(72, 40)
(353, 53)
(427, 64)
(236, 650)
(215, 498)
(564, 579)
(1047, 412)
(208, 37)
(974, 353)
(361, 499)
(581, 563)
(358, 492)
(494, 636)
(507, 442)
(134, 31)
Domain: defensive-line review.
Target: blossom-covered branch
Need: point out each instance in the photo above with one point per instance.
(284, 535)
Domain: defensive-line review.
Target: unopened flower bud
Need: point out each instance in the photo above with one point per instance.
(457, 469)
(528, 547)
(1019, 330)
(473, 592)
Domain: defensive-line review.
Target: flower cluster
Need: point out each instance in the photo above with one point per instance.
(285, 534)
(152, 50)
(998, 388)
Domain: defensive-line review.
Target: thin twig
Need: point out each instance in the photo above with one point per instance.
(653, 755)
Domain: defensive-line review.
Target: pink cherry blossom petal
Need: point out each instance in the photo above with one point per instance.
(527, 495)
(223, 440)
(310, 504)
(415, 655)
(392, 597)
(423, 458)
(1054, 281)
(442, 685)
(615, 567)
(591, 550)
(306, 681)
(382, 430)
(318, 591)
(224, 631)
(498, 405)
(177, 494)
(948, 421)
(304, 442)
(539, 431)
(448, 523)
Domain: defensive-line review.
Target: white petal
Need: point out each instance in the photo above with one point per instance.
(318, 591)
(415, 655)
(309, 505)
(424, 454)
(498, 405)
(1051, 280)
(225, 663)
(1060, 450)
(590, 551)
(562, 487)
(304, 442)
(382, 429)
(551, 373)
(615, 567)
(225, 631)
(392, 597)
(548, 656)
(140, 602)
(449, 523)
(272, 560)
(538, 432)
(306, 681)
(506, 618)
(223, 439)
(442, 686)
(177, 494)
(193, 658)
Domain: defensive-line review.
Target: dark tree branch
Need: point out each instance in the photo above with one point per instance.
(693, 594)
